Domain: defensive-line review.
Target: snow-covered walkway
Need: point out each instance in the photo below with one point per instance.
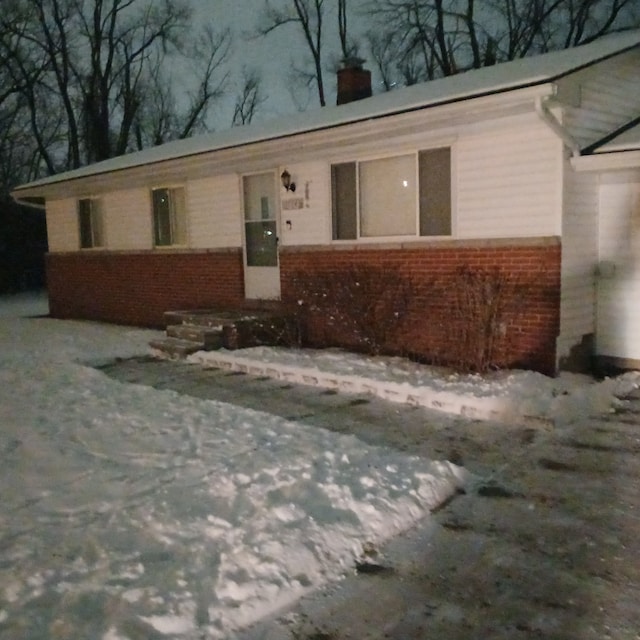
(504, 396)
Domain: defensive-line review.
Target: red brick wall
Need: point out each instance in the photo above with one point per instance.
(532, 331)
(137, 288)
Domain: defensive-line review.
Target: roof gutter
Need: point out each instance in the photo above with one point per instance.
(34, 203)
(542, 109)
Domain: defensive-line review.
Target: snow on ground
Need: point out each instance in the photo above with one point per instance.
(502, 395)
(129, 512)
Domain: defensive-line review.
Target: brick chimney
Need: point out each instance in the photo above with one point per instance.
(354, 82)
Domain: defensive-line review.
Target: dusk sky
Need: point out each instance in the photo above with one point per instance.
(273, 55)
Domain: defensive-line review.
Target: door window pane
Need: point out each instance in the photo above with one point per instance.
(262, 244)
(259, 197)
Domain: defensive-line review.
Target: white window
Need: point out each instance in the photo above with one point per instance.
(407, 195)
(90, 223)
(169, 217)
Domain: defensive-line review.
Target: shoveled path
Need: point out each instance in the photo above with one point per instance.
(545, 544)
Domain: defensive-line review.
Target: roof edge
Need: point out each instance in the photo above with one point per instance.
(590, 149)
(59, 178)
(352, 119)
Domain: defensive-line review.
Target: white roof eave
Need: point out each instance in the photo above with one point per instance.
(603, 162)
(280, 145)
(495, 82)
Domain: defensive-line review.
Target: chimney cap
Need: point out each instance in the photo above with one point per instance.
(352, 62)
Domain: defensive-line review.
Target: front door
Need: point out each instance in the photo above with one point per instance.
(261, 270)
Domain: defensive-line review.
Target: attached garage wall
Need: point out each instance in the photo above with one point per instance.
(618, 311)
(579, 261)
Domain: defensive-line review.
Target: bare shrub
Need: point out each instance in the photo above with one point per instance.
(360, 307)
(475, 308)
(278, 330)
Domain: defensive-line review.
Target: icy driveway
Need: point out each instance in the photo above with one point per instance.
(129, 512)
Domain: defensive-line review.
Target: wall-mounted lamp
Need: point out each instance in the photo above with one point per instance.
(286, 181)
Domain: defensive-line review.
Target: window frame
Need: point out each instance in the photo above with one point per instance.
(178, 219)
(415, 153)
(95, 220)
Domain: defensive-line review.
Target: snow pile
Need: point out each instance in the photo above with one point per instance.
(129, 512)
(523, 396)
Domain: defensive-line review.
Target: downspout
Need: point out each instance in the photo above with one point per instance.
(552, 122)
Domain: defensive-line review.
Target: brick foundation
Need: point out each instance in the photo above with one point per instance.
(532, 328)
(137, 288)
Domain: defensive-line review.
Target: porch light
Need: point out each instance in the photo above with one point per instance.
(285, 177)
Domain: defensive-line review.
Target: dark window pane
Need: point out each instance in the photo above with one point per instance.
(435, 192)
(344, 201)
(84, 219)
(161, 217)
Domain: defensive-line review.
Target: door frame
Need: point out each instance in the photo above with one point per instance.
(261, 282)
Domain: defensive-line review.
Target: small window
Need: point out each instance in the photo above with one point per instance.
(90, 223)
(169, 223)
(408, 195)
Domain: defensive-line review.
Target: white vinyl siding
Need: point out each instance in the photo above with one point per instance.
(62, 225)
(214, 212)
(579, 257)
(508, 182)
(304, 218)
(618, 315)
(127, 219)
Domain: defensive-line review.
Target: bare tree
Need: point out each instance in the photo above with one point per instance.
(348, 46)
(384, 54)
(308, 15)
(90, 74)
(249, 98)
(161, 116)
(434, 38)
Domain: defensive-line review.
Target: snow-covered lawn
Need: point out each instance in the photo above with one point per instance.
(129, 512)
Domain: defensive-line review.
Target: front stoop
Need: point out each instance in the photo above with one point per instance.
(175, 347)
(209, 330)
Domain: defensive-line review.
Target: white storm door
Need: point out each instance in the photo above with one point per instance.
(261, 270)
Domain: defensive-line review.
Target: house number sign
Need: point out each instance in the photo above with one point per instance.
(293, 204)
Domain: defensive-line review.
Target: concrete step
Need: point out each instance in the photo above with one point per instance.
(176, 347)
(209, 337)
(213, 318)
